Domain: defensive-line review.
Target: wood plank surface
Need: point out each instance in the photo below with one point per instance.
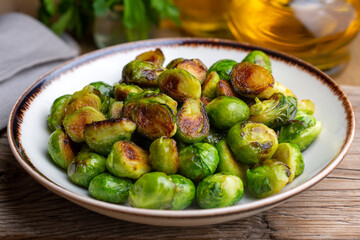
(329, 210)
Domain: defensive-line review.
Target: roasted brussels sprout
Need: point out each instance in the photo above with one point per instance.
(194, 66)
(219, 190)
(279, 88)
(184, 192)
(115, 109)
(83, 98)
(223, 68)
(225, 111)
(179, 84)
(306, 106)
(156, 57)
(252, 81)
(228, 162)
(57, 111)
(302, 131)
(174, 62)
(141, 73)
(290, 154)
(122, 90)
(84, 167)
(252, 143)
(153, 190)
(198, 160)
(268, 178)
(259, 58)
(164, 156)
(192, 121)
(101, 135)
(205, 100)
(214, 136)
(126, 159)
(74, 124)
(209, 85)
(61, 148)
(223, 88)
(104, 88)
(108, 188)
(274, 112)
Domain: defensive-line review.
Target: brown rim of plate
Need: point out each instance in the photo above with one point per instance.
(15, 120)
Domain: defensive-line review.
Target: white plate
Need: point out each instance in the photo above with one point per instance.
(28, 132)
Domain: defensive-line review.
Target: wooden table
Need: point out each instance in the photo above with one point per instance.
(329, 210)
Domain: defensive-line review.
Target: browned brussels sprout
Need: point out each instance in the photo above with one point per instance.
(209, 86)
(60, 148)
(141, 73)
(115, 109)
(82, 98)
(122, 90)
(164, 156)
(223, 68)
(57, 111)
(156, 57)
(205, 100)
(223, 88)
(101, 135)
(179, 84)
(126, 159)
(74, 124)
(192, 121)
(194, 66)
(259, 58)
(174, 62)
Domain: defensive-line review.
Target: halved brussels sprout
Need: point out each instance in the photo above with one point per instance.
(209, 85)
(252, 143)
(101, 135)
(219, 190)
(268, 178)
(57, 111)
(184, 192)
(223, 88)
(198, 160)
(115, 109)
(126, 159)
(223, 68)
(279, 88)
(156, 57)
(104, 88)
(108, 188)
(60, 148)
(154, 119)
(225, 111)
(290, 154)
(194, 66)
(174, 62)
(164, 156)
(214, 136)
(179, 84)
(141, 73)
(74, 124)
(259, 58)
(83, 98)
(274, 112)
(153, 190)
(205, 100)
(302, 131)
(252, 81)
(306, 106)
(192, 121)
(228, 162)
(122, 90)
(84, 167)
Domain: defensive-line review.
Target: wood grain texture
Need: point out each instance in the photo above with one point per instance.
(329, 210)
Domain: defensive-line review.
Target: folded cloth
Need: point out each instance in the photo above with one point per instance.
(28, 50)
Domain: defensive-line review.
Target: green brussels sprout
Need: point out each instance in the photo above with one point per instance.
(74, 124)
(83, 98)
(302, 131)
(223, 88)
(219, 190)
(84, 167)
(228, 162)
(179, 84)
(184, 192)
(223, 68)
(205, 100)
(306, 106)
(61, 148)
(174, 62)
(198, 160)
(250, 80)
(224, 112)
(153, 190)
(122, 90)
(290, 154)
(57, 111)
(154, 119)
(164, 156)
(193, 66)
(274, 112)
(101, 135)
(259, 58)
(108, 188)
(268, 178)
(142, 73)
(104, 88)
(214, 137)
(115, 109)
(279, 88)
(252, 143)
(126, 159)
(156, 57)
(192, 121)
(208, 88)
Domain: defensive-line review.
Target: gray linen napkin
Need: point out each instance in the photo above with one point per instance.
(28, 50)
